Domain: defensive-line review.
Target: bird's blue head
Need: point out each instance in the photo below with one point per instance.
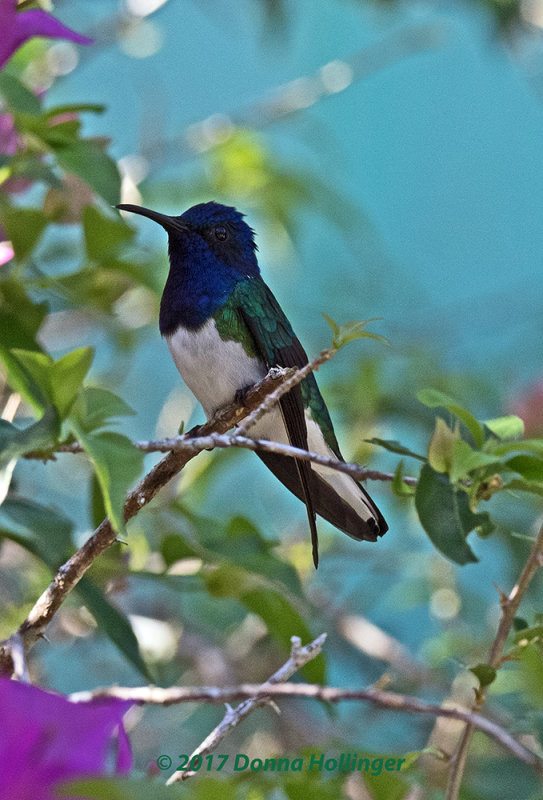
(211, 248)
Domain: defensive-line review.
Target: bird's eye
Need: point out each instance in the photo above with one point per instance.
(221, 233)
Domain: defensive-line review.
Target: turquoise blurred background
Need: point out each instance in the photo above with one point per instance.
(440, 150)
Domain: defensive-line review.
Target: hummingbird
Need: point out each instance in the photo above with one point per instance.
(225, 330)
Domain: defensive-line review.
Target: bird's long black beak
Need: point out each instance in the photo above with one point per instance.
(168, 223)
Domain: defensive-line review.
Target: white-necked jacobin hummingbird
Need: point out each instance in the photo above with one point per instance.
(225, 329)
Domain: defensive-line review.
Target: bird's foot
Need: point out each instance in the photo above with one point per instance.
(241, 394)
(194, 432)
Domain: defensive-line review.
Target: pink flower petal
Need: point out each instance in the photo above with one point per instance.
(18, 26)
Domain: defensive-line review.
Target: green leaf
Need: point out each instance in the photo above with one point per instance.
(41, 435)
(399, 487)
(86, 159)
(117, 463)
(20, 319)
(440, 449)
(17, 96)
(530, 467)
(95, 407)
(24, 227)
(60, 134)
(241, 542)
(97, 507)
(39, 529)
(119, 788)
(445, 515)
(260, 597)
(435, 399)
(412, 757)
(31, 377)
(395, 447)
(73, 108)
(465, 460)
(52, 382)
(508, 427)
(343, 334)
(525, 445)
(484, 673)
(532, 668)
(104, 236)
(67, 375)
(522, 485)
(530, 633)
(114, 624)
(173, 547)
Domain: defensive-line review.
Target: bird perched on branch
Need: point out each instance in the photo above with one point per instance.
(225, 329)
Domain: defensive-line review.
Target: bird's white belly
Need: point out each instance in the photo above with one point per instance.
(213, 368)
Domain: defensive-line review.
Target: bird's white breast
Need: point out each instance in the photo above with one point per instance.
(213, 368)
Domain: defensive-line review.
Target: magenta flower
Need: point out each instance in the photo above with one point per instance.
(47, 739)
(18, 26)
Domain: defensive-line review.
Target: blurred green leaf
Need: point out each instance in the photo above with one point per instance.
(41, 530)
(532, 671)
(484, 673)
(435, 399)
(385, 785)
(399, 487)
(30, 377)
(445, 515)
(412, 757)
(24, 227)
(67, 375)
(87, 159)
(395, 447)
(174, 548)
(104, 235)
(73, 108)
(465, 460)
(529, 445)
(25, 165)
(263, 599)
(117, 463)
(95, 407)
(241, 542)
(20, 318)
(343, 334)
(97, 507)
(118, 789)
(114, 624)
(508, 427)
(522, 485)
(441, 447)
(530, 467)
(531, 634)
(45, 381)
(17, 96)
(41, 435)
(93, 287)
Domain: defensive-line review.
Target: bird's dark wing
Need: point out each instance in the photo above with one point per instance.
(278, 346)
(275, 342)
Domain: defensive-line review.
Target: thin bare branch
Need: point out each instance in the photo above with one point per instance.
(259, 694)
(509, 606)
(298, 657)
(195, 444)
